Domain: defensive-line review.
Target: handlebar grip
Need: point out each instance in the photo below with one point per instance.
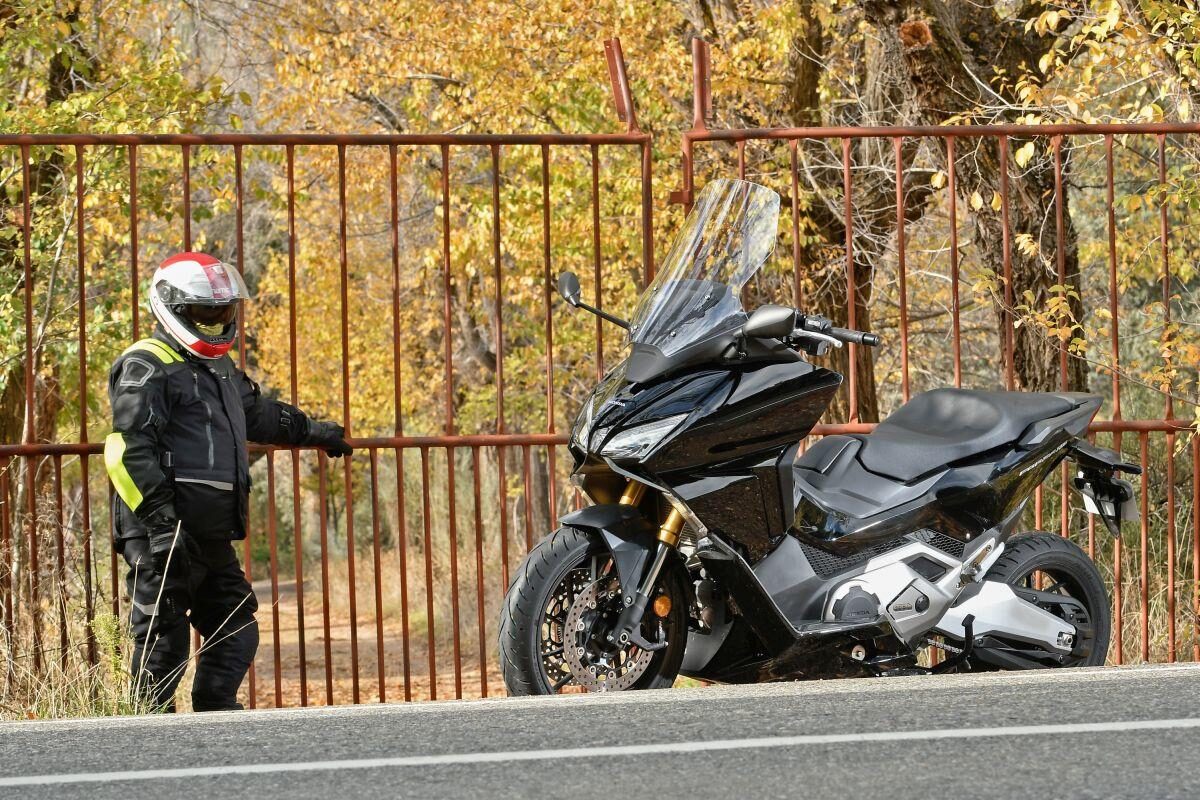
(855, 337)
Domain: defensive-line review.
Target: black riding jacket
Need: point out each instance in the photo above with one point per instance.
(178, 446)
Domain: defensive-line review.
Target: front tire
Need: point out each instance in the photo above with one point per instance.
(1062, 567)
(538, 600)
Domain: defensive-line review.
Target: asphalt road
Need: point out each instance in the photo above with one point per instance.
(1071, 734)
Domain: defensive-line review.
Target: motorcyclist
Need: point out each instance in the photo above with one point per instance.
(182, 415)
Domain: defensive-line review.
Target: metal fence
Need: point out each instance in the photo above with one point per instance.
(467, 538)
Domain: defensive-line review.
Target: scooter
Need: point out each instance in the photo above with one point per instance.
(714, 549)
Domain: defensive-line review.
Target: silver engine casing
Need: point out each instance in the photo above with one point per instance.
(916, 606)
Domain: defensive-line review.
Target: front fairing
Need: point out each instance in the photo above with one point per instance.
(619, 404)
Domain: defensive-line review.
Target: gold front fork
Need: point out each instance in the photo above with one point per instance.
(668, 532)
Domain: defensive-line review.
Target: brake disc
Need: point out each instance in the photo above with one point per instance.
(594, 668)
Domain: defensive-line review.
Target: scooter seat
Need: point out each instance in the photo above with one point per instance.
(942, 426)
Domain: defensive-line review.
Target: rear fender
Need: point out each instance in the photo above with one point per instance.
(1104, 494)
(628, 535)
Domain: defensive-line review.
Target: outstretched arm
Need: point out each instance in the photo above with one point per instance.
(274, 422)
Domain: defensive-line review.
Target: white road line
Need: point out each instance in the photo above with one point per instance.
(600, 752)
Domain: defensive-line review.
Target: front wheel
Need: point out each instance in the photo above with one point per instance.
(1049, 563)
(562, 602)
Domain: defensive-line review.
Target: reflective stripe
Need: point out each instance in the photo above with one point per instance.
(114, 449)
(223, 485)
(165, 354)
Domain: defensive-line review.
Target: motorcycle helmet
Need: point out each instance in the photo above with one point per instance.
(195, 298)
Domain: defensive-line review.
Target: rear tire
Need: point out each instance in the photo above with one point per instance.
(1063, 562)
(535, 585)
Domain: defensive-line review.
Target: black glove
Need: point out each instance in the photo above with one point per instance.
(169, 549)
(329, 436)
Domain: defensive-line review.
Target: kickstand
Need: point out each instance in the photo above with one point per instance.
(962, 655)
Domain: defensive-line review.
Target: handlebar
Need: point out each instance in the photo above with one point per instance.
(855, 337)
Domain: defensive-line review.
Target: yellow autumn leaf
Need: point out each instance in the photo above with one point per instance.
(1024, 154)
(976, 201)
(938, 179)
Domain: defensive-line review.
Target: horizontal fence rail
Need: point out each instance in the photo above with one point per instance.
(404, 287)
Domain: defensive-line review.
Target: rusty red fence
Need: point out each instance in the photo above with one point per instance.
(481, 528)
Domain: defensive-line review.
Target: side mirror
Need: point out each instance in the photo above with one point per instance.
(568, 287)
(770, 322)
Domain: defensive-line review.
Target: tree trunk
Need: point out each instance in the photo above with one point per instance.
(936, 46)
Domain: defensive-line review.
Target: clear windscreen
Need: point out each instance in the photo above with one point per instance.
(724, 241)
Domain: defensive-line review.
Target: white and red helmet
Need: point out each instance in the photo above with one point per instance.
(195, 298)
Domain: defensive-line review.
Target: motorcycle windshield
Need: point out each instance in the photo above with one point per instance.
(724, 241)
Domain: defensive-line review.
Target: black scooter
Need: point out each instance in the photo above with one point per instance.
(714, 550)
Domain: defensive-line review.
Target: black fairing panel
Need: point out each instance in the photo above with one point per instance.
(725, 461)
(768, 408)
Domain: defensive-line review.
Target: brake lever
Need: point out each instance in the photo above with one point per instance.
(821, 337)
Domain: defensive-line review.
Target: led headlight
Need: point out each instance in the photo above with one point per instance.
(636, 442)
(583, 426)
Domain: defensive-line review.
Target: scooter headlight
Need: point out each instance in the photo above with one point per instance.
(583, 426)
(636, 442)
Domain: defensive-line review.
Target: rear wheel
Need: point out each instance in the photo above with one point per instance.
(1046, 562)
(562, 602)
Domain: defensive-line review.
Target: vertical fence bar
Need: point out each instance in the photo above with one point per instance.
(429, 621)
(347, 463)
(1114, 337)
(402, 547)
(596, 256)
(954, 303)
(498, 333)
(60, 566)
(1168, 401)
(378, 584)
(30, 427)
(247, 560)
(297, 533)
(1195, 547)
(115, 597)
(252, 675)
(1006, 245)
(897, 143)
(84, 495)
(452, 506)
(851, 284)
(526, 460)
(1145, 542)
(480, 585)
(187, 197)
(272, 544)
(398, 389)
(447, 311)
(133, 241)
(648, 209)
(1060, 257)
(547, 290)
(1060, 246)
(6, 551)
(323, 521)
(797, 287)
(239, 241)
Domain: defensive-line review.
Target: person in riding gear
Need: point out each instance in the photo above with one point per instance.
(182, 415)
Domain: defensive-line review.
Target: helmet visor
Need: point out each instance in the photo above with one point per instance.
(197, 283)
(209, 315)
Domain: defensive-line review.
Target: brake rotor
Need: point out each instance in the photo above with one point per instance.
(595, 665)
